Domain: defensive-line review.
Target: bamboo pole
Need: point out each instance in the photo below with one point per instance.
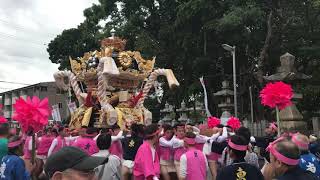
(278, 121)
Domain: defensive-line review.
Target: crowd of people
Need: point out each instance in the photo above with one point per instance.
(183, 151)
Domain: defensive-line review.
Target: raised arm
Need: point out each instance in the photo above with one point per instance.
(224, 135)
(117, 137)
(165, 143)
(177, 143)
(95, 138)
(53, 145)
(71, 138)
(196, 130)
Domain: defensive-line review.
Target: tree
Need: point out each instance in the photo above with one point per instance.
(186, 36)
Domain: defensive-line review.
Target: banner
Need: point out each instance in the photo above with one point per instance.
(72, 107)
(56, 113)
(205, 97)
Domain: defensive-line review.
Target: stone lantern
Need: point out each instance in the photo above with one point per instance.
(199, 111)
(166, 112)
(225, 96)
(290, 117)
(183, 111)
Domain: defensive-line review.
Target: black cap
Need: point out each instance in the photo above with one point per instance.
(72, 158)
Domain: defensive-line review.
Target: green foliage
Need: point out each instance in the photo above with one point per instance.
(71, 42)
(186, 36)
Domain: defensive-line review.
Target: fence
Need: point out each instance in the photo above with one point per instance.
(256, 128)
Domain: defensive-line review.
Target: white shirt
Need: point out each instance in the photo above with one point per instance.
(177, 143)
(118, 137)
(55, 143)
(183, 165)
(153, 151)
(111, 168)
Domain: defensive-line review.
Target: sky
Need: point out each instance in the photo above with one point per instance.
(26, 27)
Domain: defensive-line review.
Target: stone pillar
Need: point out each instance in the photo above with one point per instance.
(316, 125)
(225, 101)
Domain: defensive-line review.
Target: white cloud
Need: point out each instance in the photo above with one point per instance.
(26, 27)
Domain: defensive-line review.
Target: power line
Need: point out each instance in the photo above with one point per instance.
(11, 82)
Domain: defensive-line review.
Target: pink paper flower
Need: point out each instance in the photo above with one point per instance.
(276, 94)
(32, 113)
(213, 122)
(234, 123)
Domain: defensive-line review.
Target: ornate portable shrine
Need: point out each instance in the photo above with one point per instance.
(116, 85)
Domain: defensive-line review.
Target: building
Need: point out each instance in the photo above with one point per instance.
(42, 90)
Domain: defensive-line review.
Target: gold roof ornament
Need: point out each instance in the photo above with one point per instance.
(115, 43)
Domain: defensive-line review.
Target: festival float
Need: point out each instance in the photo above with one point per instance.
(111, 85)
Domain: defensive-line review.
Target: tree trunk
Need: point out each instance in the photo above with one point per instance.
(264, 51)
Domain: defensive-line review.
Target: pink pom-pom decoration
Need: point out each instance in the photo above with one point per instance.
(3, 120)
(234, 123)
(32, 114)
(276, 94)
(213, 122)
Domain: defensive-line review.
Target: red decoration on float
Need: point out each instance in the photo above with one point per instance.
(276, 94)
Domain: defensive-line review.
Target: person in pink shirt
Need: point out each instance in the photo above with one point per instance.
(87, 142)
(193, 163)
(166, 153)
(58, 142)
(178, 145)
(44, 143)
(27, 149)
(146, 163)
(27, 146)
(116, 147)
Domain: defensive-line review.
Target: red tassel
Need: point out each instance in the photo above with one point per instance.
(135, 99)
(88, 102)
